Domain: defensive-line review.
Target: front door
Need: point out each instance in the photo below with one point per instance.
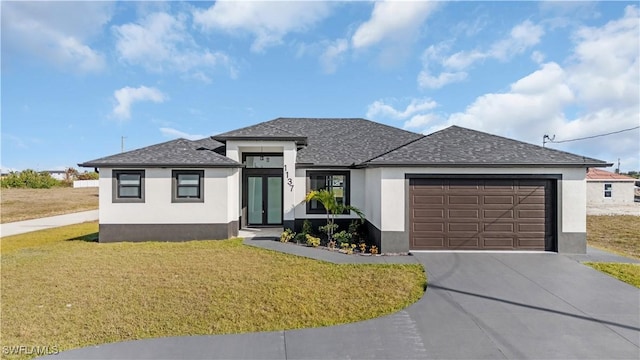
(264, 199)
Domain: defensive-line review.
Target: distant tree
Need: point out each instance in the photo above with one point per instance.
(89, 176)
(29, 179)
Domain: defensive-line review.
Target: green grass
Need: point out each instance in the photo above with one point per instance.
(60, 289)
(629, 273)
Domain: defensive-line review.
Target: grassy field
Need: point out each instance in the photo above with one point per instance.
(62, 289)
(25, 204)
(618, 234)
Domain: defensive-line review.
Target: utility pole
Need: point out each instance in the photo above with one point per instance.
(122, 143)
(618, 169)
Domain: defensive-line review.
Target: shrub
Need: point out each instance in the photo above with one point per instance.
(328, 229)
(342, 237)
(287, 235)
(373, 250)
(300, 237)
(313, 241)
(89, 176)
(363, 247)
(307, 228)
(29, 179)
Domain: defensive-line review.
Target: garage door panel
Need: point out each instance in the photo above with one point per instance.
(537, 228)
(480, 214)
(498, 199)
(464, 242)
(429, 242)
(463, 227)
(498, 214)
(464, 214)
(499, 227)
(464, 199)
(531, 214)
(499, 242)
(418, 227)
(428, 213)
(428, 199)
(532, 199)
(531, 244)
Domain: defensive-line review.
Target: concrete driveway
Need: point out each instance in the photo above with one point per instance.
(477, 306)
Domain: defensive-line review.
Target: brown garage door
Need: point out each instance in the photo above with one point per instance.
(480, 214)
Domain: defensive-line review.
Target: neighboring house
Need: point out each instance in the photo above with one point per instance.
(57, 174)
(604, 187)
(452, 189)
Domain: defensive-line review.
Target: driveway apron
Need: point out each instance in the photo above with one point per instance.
(477, 306)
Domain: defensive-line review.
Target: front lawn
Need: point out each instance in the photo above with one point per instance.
(629, 273)
(59, 288)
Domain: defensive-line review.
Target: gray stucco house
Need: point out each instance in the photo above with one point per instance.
(455, 189)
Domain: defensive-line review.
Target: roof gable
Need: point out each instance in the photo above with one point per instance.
(457, 146)
(330, 142)
(179, 152)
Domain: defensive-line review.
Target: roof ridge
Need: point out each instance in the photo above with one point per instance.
(394, 149)
(279, 128)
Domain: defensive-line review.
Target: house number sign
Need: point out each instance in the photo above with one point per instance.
(289, 180)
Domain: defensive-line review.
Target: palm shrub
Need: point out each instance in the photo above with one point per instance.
(328, 199)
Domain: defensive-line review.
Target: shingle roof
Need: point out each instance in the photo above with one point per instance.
(265, 131)
(457, 146)
(598, 174)
(331, 142)
(177, 153)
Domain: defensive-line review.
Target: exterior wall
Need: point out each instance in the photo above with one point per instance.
(85, 183)
(149, 220)
(622, 192)
(393, 203)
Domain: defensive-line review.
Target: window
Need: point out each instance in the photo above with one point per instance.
(607, 190)
(336, 181)
(263, 160)
(188, 186)
(128, 186)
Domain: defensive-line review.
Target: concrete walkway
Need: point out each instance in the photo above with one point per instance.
(477, 306)
(21, 227)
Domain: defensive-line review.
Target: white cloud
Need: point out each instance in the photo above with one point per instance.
(521, 38)
(56, 31)
(161, 42)
(174, 133)
(268, 21)
(426, 80)
(421, 120)
(127, 96)
(595, 93)
(392, 20)
(605, 67)
(381, 109)
(333, 54)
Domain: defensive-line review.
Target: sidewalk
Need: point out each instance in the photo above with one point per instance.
(21, 227)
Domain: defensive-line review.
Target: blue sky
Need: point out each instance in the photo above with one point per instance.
(77, 76)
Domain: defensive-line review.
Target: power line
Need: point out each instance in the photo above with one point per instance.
(547, 138)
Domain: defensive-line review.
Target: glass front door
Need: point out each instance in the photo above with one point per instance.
(264, 199)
